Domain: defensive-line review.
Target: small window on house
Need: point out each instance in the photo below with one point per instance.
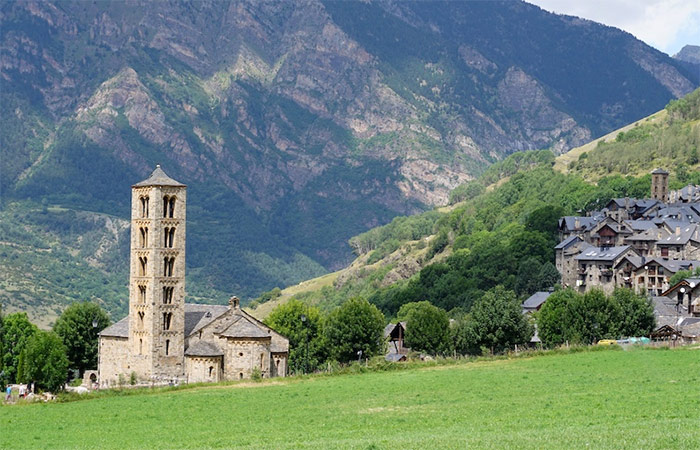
(240, 376)
(211, 371)
(240, 354)
(167, 347)
(262, 360)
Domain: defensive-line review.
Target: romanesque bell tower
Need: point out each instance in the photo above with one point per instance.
(659, 185)
(157, 277)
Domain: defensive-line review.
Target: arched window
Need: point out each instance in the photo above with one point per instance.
(144, 237)
(140, 346)
(167, 347)
(166, 236)
(211, 370)
(262, 360)
(141, 315)
(171, 239)
(144, 265)
(168, 265)
(142, 294)
(168, 294)
(165, 266)
(166, 203)
(167, 319)
(144, 206)
(171, 210)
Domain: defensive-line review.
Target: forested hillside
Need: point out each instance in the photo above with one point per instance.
(504, 233)
(296, 125)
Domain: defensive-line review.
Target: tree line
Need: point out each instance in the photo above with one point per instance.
(45, 358)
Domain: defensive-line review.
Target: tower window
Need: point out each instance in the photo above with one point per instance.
(168, 264)
(144, 237)
(171, 210)
(167, 347)
(144, 264)
(167, 319)
(141, 315)
(140, 346)
(172, 237)
(166, 235)
(168, 294)
(142, 294)
(144, 206)
(166, 203)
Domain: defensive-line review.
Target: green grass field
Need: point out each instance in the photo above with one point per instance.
(638, 399)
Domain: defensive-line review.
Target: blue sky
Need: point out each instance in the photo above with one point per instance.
(667, 25)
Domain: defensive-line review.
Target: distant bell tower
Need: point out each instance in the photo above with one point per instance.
(659, 185)
(157, 277)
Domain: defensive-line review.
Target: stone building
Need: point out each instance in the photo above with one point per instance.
(163, 338)
(659, 185)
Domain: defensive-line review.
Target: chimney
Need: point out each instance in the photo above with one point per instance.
(678, 231)
(233, 302)
(577, 223)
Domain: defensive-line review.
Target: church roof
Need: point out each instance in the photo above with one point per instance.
(196, 318)
(243, 328)
(659, 172)
(159, 178)
(204, 348)
(199, 316)
(119, 329)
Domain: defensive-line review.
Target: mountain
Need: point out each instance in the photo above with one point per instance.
(296, 125)
(498, 223)
(689, 54)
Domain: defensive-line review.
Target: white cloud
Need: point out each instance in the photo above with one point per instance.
(664, 24)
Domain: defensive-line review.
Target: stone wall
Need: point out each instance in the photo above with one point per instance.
(203, 369)
(242, 356)
(114, 360)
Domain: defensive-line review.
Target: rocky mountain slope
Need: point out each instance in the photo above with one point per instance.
(298, 124)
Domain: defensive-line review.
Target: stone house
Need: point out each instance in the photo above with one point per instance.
(686, 293)
(595, 267)
(163, 339)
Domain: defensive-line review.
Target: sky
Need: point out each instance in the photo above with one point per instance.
(667, 25)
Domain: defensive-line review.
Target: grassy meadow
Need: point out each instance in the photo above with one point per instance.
(640, 398)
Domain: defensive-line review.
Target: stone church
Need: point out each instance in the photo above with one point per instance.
(164, 339)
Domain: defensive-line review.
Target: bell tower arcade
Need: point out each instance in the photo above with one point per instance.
(157, 277)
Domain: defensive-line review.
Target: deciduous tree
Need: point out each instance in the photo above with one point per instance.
(355, 326)
(17, 331)
(45, 361)
(427, 327)
(78, 327)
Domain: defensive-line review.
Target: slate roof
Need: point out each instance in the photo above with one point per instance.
(196, 318)
(394, 357)
(204, 348)
(567, 242)
(659, 172)
(602, 254)
(535, 300)
(242, 327)
(666, 312)
(687, 233)
(199, 316)
(585, 222)
(641, 225)
(118, 329)
(646, 235)
(681, 213)
(158, 178)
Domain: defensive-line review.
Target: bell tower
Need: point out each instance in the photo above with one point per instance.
(157, 277)
(659, 185)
